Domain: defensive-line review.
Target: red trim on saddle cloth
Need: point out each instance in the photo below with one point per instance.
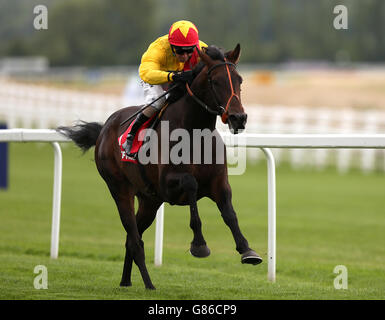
(137, 142)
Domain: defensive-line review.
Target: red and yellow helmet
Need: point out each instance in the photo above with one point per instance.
(183, 34)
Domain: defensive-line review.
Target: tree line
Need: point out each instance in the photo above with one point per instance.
(117, 32)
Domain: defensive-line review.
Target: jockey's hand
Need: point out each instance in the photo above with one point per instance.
(182, 76)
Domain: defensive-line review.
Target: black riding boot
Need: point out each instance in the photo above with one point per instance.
(139, 120)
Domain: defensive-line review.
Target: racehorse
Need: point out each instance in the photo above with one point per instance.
(215, 90)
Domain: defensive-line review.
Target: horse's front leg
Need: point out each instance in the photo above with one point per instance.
(186, 184)
(198, 246)
(222, 196)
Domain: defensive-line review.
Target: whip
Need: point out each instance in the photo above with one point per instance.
(149, 104)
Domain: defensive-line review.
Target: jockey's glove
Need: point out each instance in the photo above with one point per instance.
(181, 76)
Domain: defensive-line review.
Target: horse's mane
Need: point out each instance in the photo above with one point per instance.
(214, 53)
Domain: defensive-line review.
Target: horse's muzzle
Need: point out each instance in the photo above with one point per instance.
(237, 122)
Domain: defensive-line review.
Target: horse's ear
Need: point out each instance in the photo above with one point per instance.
(205, 57)
(233, 56)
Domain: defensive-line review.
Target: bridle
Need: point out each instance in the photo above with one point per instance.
(221, 111)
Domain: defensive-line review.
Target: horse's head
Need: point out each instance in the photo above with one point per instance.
(225, 86)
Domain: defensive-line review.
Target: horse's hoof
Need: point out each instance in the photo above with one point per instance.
(150, 287)
(200, 251)
(251, 257)
(125, 284)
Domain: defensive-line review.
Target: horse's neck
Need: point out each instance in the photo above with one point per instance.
(195, 116)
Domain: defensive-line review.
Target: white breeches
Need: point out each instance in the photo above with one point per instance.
(151, 92)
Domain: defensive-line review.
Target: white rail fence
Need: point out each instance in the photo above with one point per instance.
(45, 135)
(263, 141)
(32, 106)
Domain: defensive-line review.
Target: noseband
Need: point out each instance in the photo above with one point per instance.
(222, 111)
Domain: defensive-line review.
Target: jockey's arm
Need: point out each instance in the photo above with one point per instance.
(149, 71)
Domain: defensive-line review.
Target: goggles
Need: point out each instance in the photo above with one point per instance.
(182, 50)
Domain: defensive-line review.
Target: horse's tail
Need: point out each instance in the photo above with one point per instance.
(83, 134)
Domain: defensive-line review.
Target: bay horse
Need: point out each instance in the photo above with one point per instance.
(214, 91)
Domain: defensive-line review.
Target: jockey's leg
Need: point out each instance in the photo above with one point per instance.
(138, 122)
(151, 92)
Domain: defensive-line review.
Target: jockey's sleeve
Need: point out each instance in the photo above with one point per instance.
(151, 69)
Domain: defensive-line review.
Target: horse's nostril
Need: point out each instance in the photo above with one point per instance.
(240, 118)
(237, 122)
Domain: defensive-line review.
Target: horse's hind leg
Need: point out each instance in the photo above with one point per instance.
(222, 197)
(127, 267)
(124, 199)
(146, 213)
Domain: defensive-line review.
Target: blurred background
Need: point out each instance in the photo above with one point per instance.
(301, 74)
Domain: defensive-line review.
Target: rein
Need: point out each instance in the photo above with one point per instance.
(223, 112)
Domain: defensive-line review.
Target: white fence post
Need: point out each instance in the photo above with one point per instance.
(56, 201)
(159, 236)
(272, 243)
(346, 119)
(323, 125)
(368, 157)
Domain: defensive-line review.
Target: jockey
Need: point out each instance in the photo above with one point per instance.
(169, 58)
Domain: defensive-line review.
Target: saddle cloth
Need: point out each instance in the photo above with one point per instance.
(137, 143)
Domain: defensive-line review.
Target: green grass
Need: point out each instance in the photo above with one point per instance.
(323, 219)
